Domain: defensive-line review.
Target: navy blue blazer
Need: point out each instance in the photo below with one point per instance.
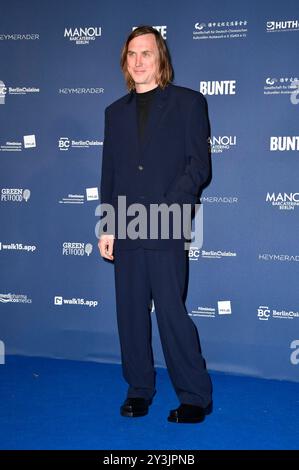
(170, 165)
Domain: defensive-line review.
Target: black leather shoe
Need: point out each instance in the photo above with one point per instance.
(134, 407)
(186, 413)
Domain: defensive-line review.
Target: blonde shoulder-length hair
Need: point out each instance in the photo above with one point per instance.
(165, 70)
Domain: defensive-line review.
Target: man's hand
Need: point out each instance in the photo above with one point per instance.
(105, 245)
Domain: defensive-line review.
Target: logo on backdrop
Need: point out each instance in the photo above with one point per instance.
(294, 357)
(219, 254)
(64, 144)
(15, 299)
(92, 194)
(59, 300)
(284, 143)
(15, 195)
(18, 90)
(84, 35)
(80, 91)
(222, 143)
(19, 37)
(283, 201)
(222, 87)
(17, 247)
(280, 86)
(13, 146)
(277, 257)
(223, 308)
(221, 30)
(29, 141)
(282, 26)
(162, 30)
(219, 199)
(76, 249)
(265, 312)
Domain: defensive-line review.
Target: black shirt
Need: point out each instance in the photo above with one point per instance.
(143, 101)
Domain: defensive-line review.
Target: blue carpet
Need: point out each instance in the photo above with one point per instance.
(58, 404)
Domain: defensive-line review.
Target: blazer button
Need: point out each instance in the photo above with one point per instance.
(140, 167)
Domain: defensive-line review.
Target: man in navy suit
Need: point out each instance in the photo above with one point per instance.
(155, 154)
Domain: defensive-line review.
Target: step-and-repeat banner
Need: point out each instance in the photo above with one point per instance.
(59, 69)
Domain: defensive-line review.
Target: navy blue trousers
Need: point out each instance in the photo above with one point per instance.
(141, 275)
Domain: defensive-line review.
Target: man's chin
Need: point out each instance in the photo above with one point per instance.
(139, 81)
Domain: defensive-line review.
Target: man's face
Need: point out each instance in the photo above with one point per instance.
(143, 60)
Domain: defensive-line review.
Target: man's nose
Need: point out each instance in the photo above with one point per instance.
(138, 60)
